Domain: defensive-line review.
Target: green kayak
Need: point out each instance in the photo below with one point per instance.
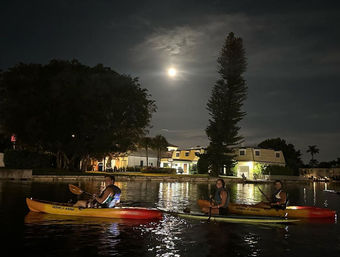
(239, 219)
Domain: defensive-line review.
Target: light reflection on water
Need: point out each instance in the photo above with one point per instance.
(167, 234)
(173, 196)
(251, 240)
(172, 236)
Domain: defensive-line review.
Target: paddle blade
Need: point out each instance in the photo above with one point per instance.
(75, 190)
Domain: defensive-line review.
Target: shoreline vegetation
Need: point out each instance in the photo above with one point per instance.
(65, 175)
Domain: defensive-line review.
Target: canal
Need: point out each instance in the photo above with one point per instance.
(33, 234)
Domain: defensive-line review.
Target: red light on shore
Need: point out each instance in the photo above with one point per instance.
(13, 138)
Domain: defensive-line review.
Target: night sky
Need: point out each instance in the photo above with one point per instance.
(293, 51)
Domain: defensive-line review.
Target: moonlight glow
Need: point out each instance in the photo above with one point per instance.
(172, 72)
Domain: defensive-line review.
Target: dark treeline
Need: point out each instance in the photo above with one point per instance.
(292, 156)
(72, 111)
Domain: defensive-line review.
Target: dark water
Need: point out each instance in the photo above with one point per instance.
(32, 234)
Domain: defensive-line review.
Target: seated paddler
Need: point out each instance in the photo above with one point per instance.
(219, 200)
(108, 198)
(279, 199)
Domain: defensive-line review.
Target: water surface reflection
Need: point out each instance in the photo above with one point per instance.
(50, 235)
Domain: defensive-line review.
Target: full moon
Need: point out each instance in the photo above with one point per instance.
(172, 72)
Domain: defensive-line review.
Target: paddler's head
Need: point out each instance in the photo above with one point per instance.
(278, 184)
(109, 180)
(220, 183)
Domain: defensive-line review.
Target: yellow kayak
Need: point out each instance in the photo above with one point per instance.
(117, 213)
(308, 212)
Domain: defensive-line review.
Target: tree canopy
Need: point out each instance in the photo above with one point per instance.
(313, 149)
(292, 156)
(73, 110)
(160, 144)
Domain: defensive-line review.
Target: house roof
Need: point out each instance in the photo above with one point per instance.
(140, 152)
(167, 154)
(172, 145)
(265, 155)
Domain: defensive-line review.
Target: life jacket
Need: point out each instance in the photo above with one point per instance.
(113, 198)
(277, 198)
(218, 199)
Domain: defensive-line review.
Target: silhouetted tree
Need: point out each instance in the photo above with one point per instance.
(5, 143)
(160, 144)
(146, 143)
(72, 110)
(312, 149)
(292, 156)
(225, 104)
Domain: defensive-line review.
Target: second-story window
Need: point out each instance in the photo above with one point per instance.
(177, 154)
(277, 155)
(257, 152)
(242, 152)
(186, 154)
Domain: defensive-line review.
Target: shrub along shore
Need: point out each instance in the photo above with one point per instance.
(50, 175)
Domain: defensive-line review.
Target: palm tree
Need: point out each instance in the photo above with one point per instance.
(160, 144)
(312, 149)
(337, 162)
(146, 143)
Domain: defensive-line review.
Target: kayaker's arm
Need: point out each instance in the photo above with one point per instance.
(105, 195)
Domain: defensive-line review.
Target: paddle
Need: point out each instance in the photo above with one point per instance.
(77, 191)
(263, 194)
(210, 210)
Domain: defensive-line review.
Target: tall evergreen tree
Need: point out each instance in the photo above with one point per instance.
(225, 104)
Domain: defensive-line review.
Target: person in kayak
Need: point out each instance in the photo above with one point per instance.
(278, 200)
(108, 198)
(220, 200)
